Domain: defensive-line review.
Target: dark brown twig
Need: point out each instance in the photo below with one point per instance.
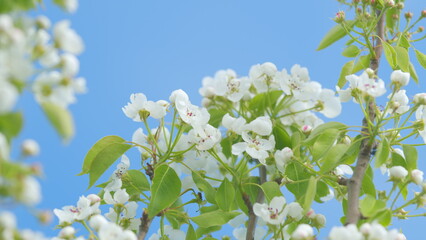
(251, 226)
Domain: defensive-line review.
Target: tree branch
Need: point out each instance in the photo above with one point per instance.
(144, 227)
(251, 226)
(355, 182)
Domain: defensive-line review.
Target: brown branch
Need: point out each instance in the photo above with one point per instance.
(144, 227)
(355, 182)
(251, 226)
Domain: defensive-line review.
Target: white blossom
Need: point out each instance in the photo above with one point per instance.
(236, 125)
(66, 38)
(263, 76)
(400, 78)
(417, 176)
(282, 157)
(30, 147)
(139, 108)
(172, 234)
(303, 232)
(256, 147)
(397, 172)
(398, 104)
(272, 213)
(204, 137)
(344, 233)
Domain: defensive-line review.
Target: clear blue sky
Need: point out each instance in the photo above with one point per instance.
(156, 47)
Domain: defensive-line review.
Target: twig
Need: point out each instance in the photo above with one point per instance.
(354, 183)
(144, 227)
(251, 226)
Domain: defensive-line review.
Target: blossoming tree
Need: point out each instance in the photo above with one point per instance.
(229, 160)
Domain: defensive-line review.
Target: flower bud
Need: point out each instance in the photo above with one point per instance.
(395, 16)
(420, 98)
(365, 229)
(30, 147)
(400, 78)
(355, 1)
(66, 232)
(43, 22)
(45, 217)
(306, 129)
(303, 232)
(417, 176)
(400, 5)
(340, 17)
(97, 221)
(37, 168)
(347, 140)
(420, 29)
(408, 15)
(397, 173)
(311, 214)
(390, 3)
(319, 220)
(93, 198)
(423, 14)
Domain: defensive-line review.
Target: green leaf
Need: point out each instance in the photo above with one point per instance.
(351, 51)
(310, 194)
(390, 54)
(362, 63)
(271, 190)
(205, 187)
(190, 233)
(60, 118)
(332, 158)
(215, 218)
(251, 189)
(135, 182)
(390, 21)
(413, 73)
(225, 195)
(367, 184)
(385, 217)
(282, 139)
(411, 157)
(203, 231)
(324, 142)
(403, 42)
(382, 154)
(216, 116)
(370, 206)
(105, 159)
(297, 173)
(421, 58)
(11, 124)
(398, 160)
(346, 70)
(165, 189)
(322, 191)
(262, 101)
(101, 145)
(402, 58)
(321, 128)
(334, 34)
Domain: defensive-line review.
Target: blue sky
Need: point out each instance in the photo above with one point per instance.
(156, 47)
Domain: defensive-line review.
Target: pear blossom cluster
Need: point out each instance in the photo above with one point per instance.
(9, 230)
(367, 231)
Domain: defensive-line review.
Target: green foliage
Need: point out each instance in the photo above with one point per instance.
(165, 189)
(390, 54)
(411, 156)
(334, 34)
(11, 124)
(214, 218)
(205, 187)
(421, 57)
(225, 195)
(347, 69)
(310, 194)
(402, 58)
(271, 190)
(135, 182)
(362, 63)
(332, 158)
(60, 118)
(351, 51)
(382, 154)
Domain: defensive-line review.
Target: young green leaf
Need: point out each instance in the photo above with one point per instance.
(421, 58)
(402, 58)
(60, 118)
(225, 195)
(333, 157)
(411, 156)
(351, 51)
(104, 159)
(346, 70)
(282, 139)
(310, 194)
(190, 233)
(390, 54)
(382, 154)
(99, 146)
(135, 182)
(413, 73)
(165, 189)
(334, 34)
(214, 218)
(11, 124)
(362, 63)
(205, 187)
(271, 190)
(324, 142)
(367, 185)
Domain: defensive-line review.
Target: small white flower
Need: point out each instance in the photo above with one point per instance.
(272, 213)
(262, 76)
(120, 197)
(261, 125)
(31, 191)
(8, 96)
(172, 234)
(420, 98)
(139, 108)
(397, 172)
(400, 78)
(399, 103)
(282, 157)
(67, 232)
(303, 232)
(343, 169)
(294, 210)
(330, 104)
(236, 125)
(240, 233)
(256, 147)
(205, 137)
(66, 38)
